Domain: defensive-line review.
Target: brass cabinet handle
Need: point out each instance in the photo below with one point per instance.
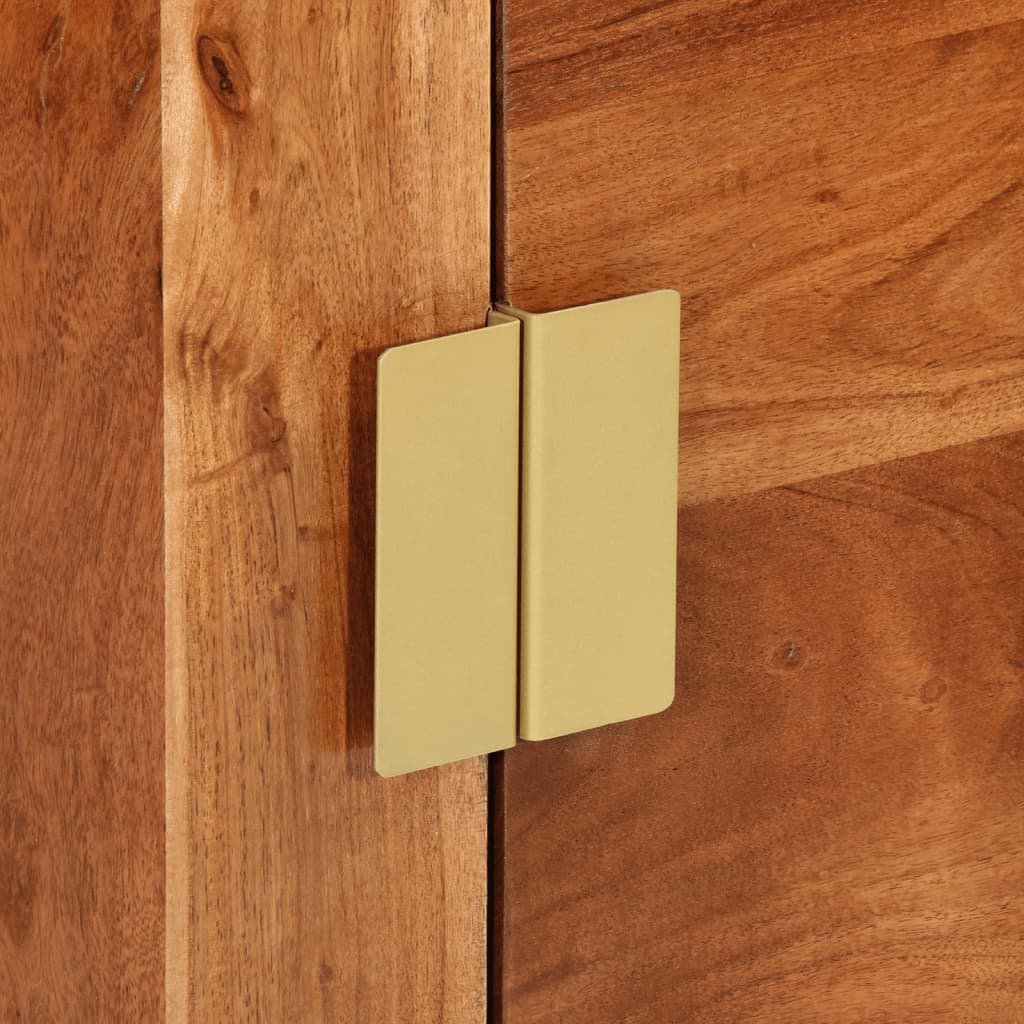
(569, 579)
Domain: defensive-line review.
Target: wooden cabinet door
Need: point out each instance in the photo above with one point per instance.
(214, 215)
(828, 824)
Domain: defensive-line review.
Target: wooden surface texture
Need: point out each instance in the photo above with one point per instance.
(828, 824)
(325, 197)
(81, 587)
(835, 189)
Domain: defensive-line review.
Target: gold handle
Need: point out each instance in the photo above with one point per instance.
(596, 521)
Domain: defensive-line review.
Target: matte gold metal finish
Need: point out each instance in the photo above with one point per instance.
(596, 573)
(599, 484)
(447, 528)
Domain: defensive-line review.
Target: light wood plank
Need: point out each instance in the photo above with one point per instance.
(326, 196)
(81, 653)
(834, 189)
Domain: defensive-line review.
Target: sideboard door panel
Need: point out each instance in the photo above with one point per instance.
(828, 822)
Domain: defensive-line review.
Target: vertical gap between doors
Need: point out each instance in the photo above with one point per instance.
(495, 887)
(496, 762)
(498, 153)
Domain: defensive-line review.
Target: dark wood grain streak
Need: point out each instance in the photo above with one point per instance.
(81, 603)
(326, 197)
(829, 823)
(835, 190)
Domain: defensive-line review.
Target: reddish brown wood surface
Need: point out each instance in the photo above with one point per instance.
(834, 188)
(828, 825)
(81, 605)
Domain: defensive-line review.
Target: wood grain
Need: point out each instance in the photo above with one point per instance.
(835, 190)
(326, 197)
(828, 824)
(81, 614)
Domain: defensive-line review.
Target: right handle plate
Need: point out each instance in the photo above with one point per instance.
(600, 425)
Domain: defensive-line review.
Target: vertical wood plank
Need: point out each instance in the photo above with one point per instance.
(326, 197)
(81, 658)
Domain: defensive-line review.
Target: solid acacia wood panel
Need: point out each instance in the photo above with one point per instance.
(834, 188)
(828, 824)
(326, 196)
(81, 612)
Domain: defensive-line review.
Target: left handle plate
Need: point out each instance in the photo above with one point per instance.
(447, 549)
